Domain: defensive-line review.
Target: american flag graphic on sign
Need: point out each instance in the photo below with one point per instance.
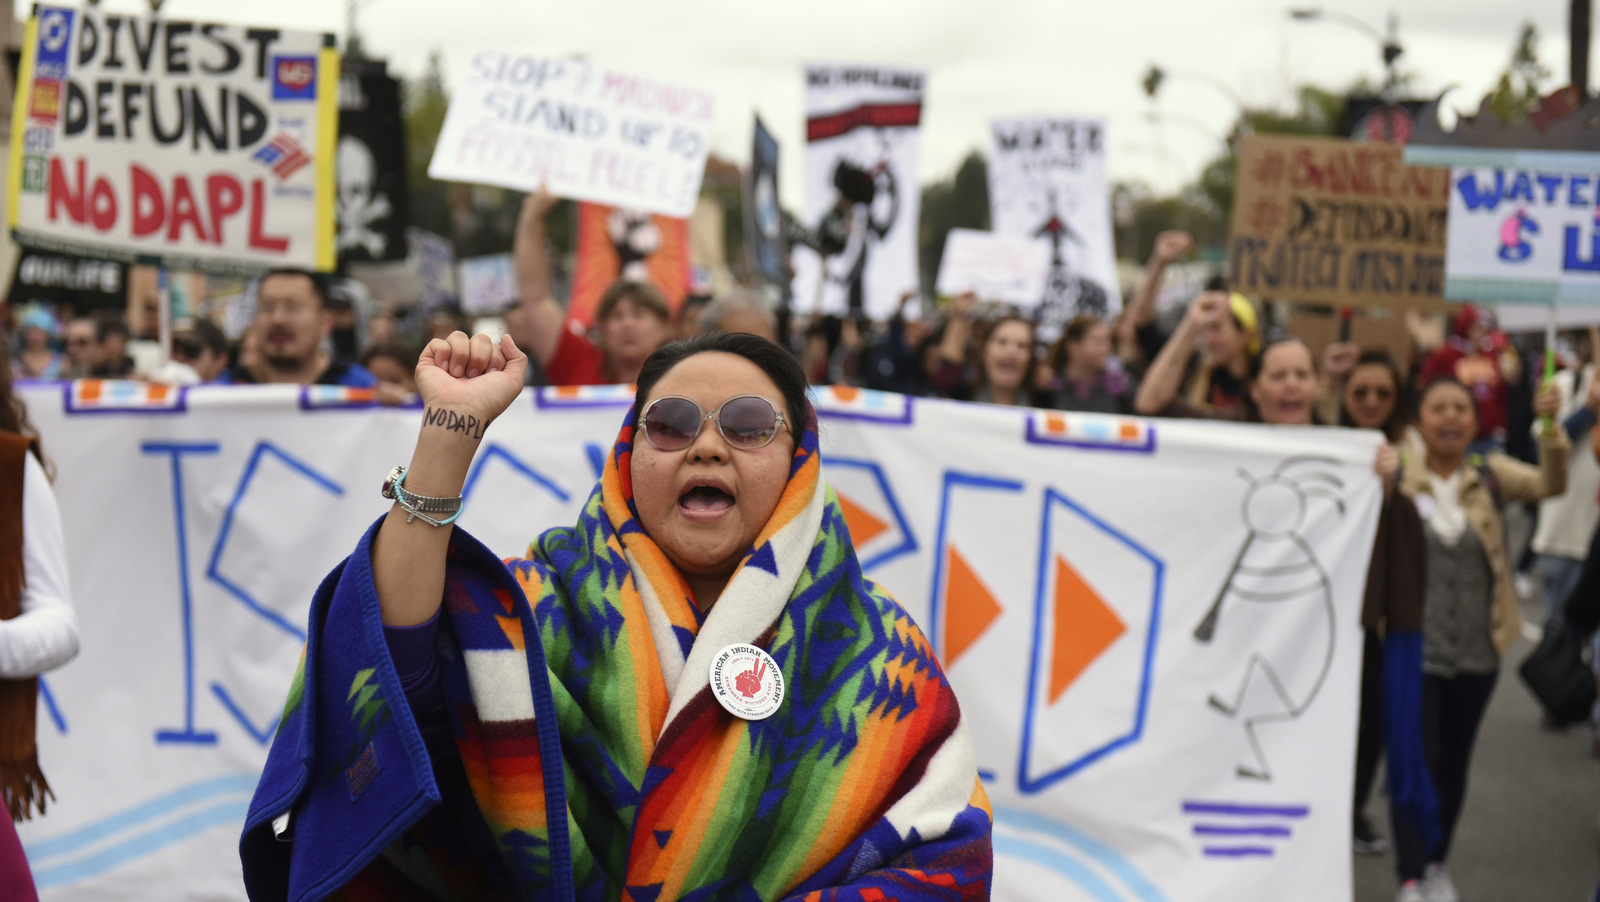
(284, 154)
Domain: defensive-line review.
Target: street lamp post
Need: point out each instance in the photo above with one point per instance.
(1388, 44)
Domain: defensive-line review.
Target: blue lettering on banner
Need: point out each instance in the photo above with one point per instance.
(1574, 186)
(1513, 247)
(1572, 259)
(261, 735)
(176, 450)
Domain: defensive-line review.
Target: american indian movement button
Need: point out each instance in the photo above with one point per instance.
(747, 682)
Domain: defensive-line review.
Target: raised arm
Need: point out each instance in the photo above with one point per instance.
(465, 384)
(1163, 379)
(1525, 482)
(546, 319)
(1141, 309)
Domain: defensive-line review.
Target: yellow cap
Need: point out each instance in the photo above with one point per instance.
(1244, 313)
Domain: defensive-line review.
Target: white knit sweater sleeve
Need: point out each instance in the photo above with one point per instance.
(45, 635)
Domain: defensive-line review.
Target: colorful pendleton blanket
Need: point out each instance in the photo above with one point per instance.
(595, 762)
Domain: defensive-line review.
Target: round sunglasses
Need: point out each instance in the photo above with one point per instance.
(747, 422)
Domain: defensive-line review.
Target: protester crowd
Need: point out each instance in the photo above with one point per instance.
(1465, 422)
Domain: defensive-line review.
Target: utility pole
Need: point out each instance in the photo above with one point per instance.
(1580, 25)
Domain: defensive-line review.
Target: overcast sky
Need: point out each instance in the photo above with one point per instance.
(985, 58)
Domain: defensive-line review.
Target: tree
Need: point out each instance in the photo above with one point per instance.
(479, 219)
(1317, 111)
(960, 202)
(1518, 91)
(423, 105)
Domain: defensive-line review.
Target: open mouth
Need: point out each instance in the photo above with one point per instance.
(707, 498)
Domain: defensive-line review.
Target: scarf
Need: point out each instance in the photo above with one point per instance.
(593, 749)
(21, 780)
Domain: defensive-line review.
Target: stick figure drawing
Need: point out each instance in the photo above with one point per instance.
(1279, 603)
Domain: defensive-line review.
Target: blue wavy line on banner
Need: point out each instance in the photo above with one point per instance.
(140, 814)
(230, 812)
(1054, 859)
(1106, 857)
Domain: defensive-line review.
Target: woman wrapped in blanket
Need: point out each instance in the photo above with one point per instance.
(693, 693)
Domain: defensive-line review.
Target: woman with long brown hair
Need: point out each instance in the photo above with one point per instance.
(38, 630)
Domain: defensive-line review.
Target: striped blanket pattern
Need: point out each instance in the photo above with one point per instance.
(861, 786)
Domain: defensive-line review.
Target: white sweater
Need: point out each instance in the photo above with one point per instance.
(45, 635)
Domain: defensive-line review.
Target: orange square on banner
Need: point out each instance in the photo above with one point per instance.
(1055, 423)
(89, 390)
(46, 103)
(158, 393)
(1129, 431)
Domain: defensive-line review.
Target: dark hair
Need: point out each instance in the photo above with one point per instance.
(110, 324)
(1059, 356)
(203, 334)
(1422, 396)
(642, 294)
(1402, 404)
(319, 282)
(779, 365)
(13, 412)
(1259, 360)
(398, 349)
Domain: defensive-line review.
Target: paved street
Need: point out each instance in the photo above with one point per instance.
(1529, 832)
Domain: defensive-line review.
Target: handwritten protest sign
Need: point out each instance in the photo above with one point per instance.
(1008, 268)
(587, 132)
(1047, 182)
(206, 146)
(1325, 221)
(1526, 232)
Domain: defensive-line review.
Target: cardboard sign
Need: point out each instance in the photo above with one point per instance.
(1528, 232)
(1047, 181)
(1325, 221)
(1007, 268)
(586, 132)
(207, 146)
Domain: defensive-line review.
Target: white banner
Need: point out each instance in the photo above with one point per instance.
(1047, 181)
(862, 196)
(586, 132)
(1525, 233)
(1148, 728)
(205, 145)
(1007, 268)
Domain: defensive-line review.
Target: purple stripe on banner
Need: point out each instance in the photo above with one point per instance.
(1246, 810)
(1238, 851)
(1219, 830)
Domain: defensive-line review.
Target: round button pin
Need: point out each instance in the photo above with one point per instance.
(747, 682)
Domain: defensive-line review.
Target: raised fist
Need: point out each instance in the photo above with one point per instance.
(472, 376)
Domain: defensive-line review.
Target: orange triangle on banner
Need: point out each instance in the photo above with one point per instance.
(970, 608)
(1085, 627)
(864, 527)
